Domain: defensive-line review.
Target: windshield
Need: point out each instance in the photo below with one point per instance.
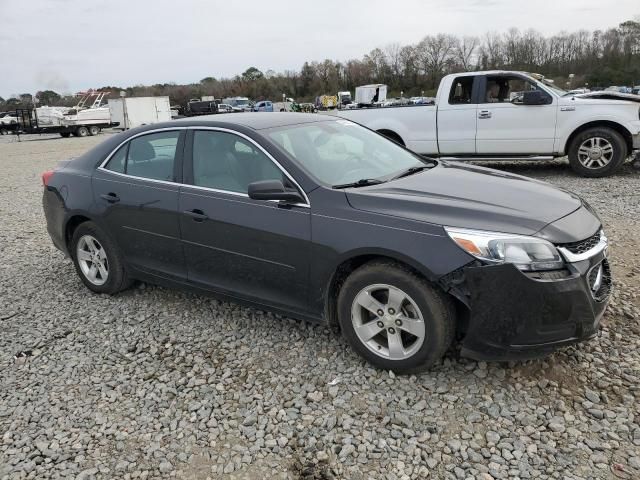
(553, 87)
(340, 152)
(242, 102)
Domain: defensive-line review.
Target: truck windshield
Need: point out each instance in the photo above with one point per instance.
(339, 152)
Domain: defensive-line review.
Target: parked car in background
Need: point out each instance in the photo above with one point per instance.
(318, 218)
(225, 108)
(636, 90)
(514, 115)
(240, 104)
(263, 106)
(422, 100)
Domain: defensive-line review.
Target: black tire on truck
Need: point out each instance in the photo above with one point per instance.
(597, 152)
(82, 132)
(65, 134)
(4, 131)
(94, 130)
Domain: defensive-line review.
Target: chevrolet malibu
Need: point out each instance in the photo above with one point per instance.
(321, 219)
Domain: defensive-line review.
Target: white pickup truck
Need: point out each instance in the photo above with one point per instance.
(514, 115)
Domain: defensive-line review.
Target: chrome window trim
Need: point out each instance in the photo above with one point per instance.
(573, 257)
(101, 167)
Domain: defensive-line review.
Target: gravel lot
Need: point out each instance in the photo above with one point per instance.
(154, 383)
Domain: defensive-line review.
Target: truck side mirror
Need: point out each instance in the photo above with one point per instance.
(535, 97)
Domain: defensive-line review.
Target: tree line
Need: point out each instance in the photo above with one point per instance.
(597, 58)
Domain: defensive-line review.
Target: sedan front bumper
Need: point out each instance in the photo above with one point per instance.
(518, 315)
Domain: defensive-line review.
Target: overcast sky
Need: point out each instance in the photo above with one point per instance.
(71, 45)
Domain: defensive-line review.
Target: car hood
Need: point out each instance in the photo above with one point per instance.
(608, 95)
(467, 196)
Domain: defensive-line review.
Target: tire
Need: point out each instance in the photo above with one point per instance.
(82, 132)
(421, 302)
(116, 278)
(93, 130)
(4, 131)
(597, 152)
(65, 134)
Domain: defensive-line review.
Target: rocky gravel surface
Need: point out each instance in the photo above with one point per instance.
(156, 383)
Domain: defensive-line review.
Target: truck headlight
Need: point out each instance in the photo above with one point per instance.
(524, 252)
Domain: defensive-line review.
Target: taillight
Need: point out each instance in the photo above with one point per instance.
(46, 176)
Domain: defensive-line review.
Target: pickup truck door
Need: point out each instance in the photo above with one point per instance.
(457, 117)
(506, 126)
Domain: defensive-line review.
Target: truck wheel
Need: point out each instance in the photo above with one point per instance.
(93, 130)
(597, 152)
(65, 134)
(82, 132)
(4, 131)
(394, 318)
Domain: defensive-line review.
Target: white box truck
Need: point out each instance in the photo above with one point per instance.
(371, 94)
(131, 112)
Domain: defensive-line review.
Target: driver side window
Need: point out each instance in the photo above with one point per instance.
(506, 89)
(225, 161)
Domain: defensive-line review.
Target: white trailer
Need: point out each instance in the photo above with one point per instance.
(370, 94)
(131, 112)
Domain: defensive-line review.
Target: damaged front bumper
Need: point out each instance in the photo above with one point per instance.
(521, 315)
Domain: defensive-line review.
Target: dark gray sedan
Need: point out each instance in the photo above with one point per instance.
(321, 219)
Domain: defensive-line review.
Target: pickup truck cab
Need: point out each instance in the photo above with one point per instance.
(513, 115)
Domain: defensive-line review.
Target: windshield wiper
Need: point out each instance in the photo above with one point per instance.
(411, 171)
(363, 182)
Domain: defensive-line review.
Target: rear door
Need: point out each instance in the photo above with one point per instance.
(457, 118)
(136, 194)
(252, 249)
(507, 127)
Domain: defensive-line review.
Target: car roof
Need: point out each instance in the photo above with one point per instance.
(255, 121)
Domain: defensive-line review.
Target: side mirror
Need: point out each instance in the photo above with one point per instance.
(273, 190)
(535, 97)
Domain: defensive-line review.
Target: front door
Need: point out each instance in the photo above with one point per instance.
(136, 194)
(506, 126)
(457, 118)
(256, 250)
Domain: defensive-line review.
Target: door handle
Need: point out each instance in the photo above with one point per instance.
(197, 215)
(110, 197)
(484, 114)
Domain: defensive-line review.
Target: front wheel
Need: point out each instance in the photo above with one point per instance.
(394, 318)
(597, 152)
(97, 260)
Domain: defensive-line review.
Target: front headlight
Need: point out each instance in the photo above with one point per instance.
(526, 253)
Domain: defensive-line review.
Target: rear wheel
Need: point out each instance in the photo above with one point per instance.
(597, 152)
(93, 130)
(97, 260)
(394, 318)
(82, 132)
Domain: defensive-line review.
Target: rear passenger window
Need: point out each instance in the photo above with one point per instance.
(118, 160)
(149, 156)
(461, 90)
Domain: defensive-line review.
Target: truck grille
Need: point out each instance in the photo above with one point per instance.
(599, 279)
(583, 245)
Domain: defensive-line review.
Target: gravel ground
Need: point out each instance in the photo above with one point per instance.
(155, 383)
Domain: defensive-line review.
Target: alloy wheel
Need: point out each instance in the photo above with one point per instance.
(92, 260)
(388, 321)
(595, 152)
